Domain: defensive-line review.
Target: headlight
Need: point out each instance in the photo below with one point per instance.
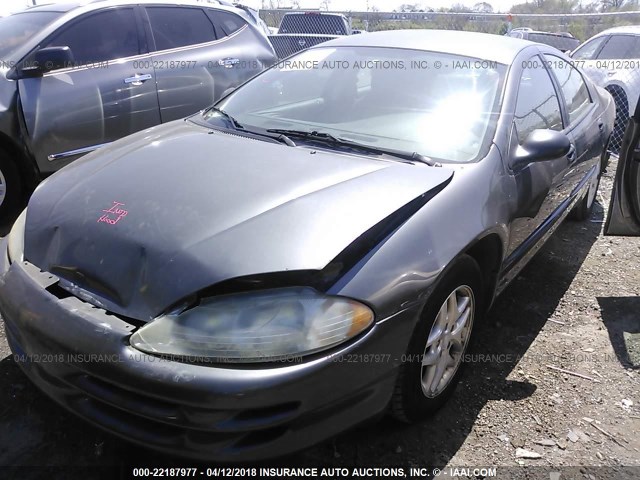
(257, 326)
(15, 242)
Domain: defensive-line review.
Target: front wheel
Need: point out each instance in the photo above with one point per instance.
(436, 350)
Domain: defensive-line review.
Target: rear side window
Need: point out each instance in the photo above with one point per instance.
(175, 27)
(621, 47)
(589, 49)
(100, 37)
(537, 106)
(226, 23)
(575, 91)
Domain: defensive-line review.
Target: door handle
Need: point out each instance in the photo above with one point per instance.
(138, 79)
(228, 62)
(571, 155)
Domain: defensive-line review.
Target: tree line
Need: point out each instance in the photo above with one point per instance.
(477, 20)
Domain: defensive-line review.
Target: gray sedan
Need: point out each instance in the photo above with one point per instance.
(314, 250)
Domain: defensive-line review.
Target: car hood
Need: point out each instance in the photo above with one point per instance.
(139, 225)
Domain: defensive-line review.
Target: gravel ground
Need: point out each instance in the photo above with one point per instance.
(574, 307)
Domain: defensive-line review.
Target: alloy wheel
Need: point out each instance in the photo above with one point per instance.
(447, 341)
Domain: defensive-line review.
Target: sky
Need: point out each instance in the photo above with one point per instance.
(7, 6)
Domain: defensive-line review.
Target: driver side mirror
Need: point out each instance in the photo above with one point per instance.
(541, 146)
(48, 59)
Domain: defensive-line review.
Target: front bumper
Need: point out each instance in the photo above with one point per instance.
(79, 355)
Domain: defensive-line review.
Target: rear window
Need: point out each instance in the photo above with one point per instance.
(175, 27)
(17, 29)
(313, 24)
(557, 41)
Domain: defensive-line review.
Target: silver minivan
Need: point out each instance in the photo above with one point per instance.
(76, 76)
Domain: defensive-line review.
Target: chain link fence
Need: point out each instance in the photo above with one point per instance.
(286, 45)
(300, 30)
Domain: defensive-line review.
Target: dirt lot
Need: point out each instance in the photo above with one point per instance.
(576, 307)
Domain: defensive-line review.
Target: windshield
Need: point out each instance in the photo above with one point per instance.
(17, 29)
(438, 105)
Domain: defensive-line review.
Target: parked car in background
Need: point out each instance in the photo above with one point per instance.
(624, 208)
(300, 30)
(74, 77)
(563, 41)
(293, 261)
(612, 60)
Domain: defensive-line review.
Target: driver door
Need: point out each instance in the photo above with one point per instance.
(539, 184)
(109, 91)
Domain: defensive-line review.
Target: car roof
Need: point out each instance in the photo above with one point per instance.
(67, 7)
(485, 46)
(315, 12)
(52, 7)
(632, 29)
(555, 34)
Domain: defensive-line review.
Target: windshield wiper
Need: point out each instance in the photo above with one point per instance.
(264, 133)
(330, 139)
(228, 117)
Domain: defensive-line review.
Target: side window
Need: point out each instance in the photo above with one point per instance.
(175, 27)
(226, 23)
(575, 91)
(100, 37)
(620, 47)
(537, 106)
(589, 49)
(541, 38)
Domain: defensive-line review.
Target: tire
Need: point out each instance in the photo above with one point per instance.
(583, 210)
(418, 393)
(10, 187)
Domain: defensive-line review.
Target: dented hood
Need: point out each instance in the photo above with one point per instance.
(160, 215)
